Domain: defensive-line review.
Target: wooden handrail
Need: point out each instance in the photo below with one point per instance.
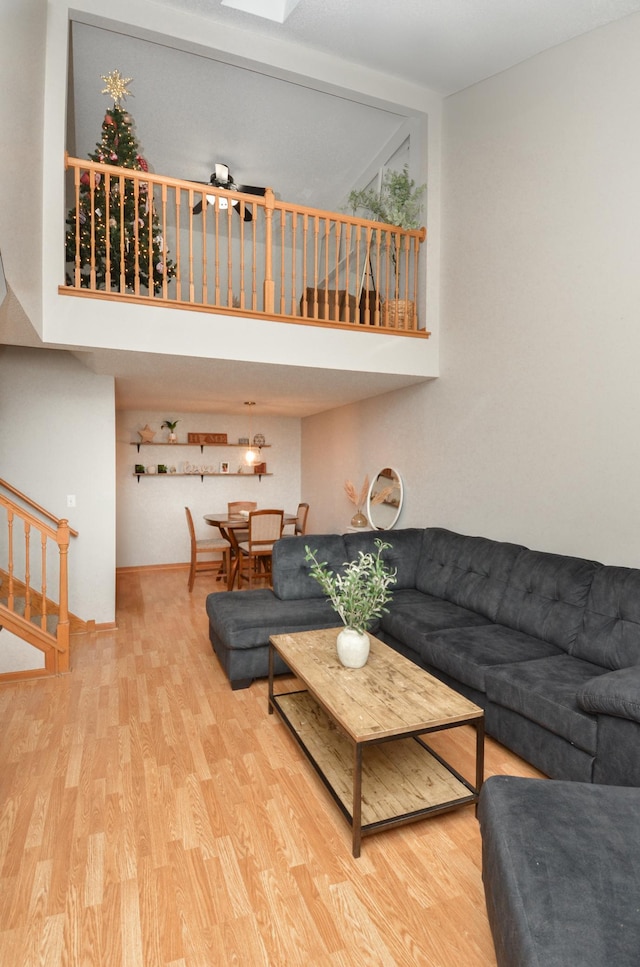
(34, 506)
(26, 577)
(287, 262)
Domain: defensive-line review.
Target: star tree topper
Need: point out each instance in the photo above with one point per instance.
(116, 86)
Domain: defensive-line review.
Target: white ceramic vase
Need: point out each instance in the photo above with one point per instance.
(353, 648)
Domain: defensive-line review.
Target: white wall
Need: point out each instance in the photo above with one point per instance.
(22, 41)
(357, 440)
(57, 436)
(151, 522)
(531, 432)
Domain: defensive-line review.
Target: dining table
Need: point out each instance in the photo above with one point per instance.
(228, 526)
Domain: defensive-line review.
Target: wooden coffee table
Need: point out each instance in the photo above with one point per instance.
(362, 729)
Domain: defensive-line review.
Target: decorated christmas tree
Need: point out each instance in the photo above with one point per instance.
(136, 244)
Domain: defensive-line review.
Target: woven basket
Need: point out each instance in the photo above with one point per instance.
(399, 314)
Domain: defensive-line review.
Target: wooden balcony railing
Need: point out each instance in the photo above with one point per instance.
(34, 584)
(134, 235)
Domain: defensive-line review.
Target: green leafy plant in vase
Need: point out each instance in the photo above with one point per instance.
(397, 202)
(171, 425)
(359, 594)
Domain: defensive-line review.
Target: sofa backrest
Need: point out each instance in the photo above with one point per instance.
(403, 555)
(468, 571)
(546, 595)
(610, 633)
(290, 571)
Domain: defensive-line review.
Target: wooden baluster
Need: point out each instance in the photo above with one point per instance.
(242, 224)
(107, 231)
(43, 580)
(10, 596)
(269, 284)
(254, 267)
(294, 249)
(178, 259)
(27, 571)
(191, 282)
(305, 251)
(149, 196)
(123, 273)
(62, 634)
(136, 237)
(216, 236)
(230, 215)
(203, 229)
(92, 231)
(283, 228)
(165, 284)
(76, 185)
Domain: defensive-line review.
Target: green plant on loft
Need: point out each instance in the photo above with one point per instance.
(397, 202)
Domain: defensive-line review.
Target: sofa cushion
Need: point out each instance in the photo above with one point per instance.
(615, 693)
(292, 580)
(413, 614)
(560, 869)
(469, 571)
(610, 634)
(247, 619)
(403, 555)
(467, 653)
(545, 690)
(546, 595)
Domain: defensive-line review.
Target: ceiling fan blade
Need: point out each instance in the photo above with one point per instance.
(251, 189)
(197, 208)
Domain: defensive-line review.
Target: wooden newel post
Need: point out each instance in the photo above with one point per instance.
(269, 290)
(62, 634)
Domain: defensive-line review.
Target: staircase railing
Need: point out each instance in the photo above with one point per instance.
(34, 579)
(132, 235)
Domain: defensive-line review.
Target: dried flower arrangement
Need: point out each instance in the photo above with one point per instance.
(357, 499)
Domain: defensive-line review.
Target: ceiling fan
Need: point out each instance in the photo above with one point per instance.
(222, 178)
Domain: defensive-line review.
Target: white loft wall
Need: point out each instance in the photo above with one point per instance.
(531, 432)
(22, 45)
(533, 426)
(57, 437)
(16, 655)
(151, 522)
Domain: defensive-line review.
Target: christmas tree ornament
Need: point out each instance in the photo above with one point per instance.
(116, 86)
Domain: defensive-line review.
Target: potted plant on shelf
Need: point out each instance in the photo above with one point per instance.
(397, 202)
(359, 594)
(171, 425)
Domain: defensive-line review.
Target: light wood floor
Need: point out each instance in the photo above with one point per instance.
(151, 816)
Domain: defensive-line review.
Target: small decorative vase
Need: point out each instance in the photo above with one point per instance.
(359, 520)
(172, 438)
(353, 648)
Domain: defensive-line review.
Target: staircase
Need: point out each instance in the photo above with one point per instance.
(34, 588)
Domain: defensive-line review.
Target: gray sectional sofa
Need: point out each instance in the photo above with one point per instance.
(548, 645)
(560, 869)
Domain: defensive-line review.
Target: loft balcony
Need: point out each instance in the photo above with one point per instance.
(133, 237)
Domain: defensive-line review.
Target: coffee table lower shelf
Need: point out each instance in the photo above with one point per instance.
(377, 785)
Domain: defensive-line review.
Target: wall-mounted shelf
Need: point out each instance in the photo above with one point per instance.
(202, 475)
(243, 446)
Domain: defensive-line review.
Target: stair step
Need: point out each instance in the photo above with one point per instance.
(19, 606)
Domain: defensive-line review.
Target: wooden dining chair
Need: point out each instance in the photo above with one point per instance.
(233, 509)
(301, 519)
(202, 551)
(265, 528)
(299, 525)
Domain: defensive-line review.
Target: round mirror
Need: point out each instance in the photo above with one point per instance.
(384, 502)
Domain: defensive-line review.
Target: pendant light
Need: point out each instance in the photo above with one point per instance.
(250, 456)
